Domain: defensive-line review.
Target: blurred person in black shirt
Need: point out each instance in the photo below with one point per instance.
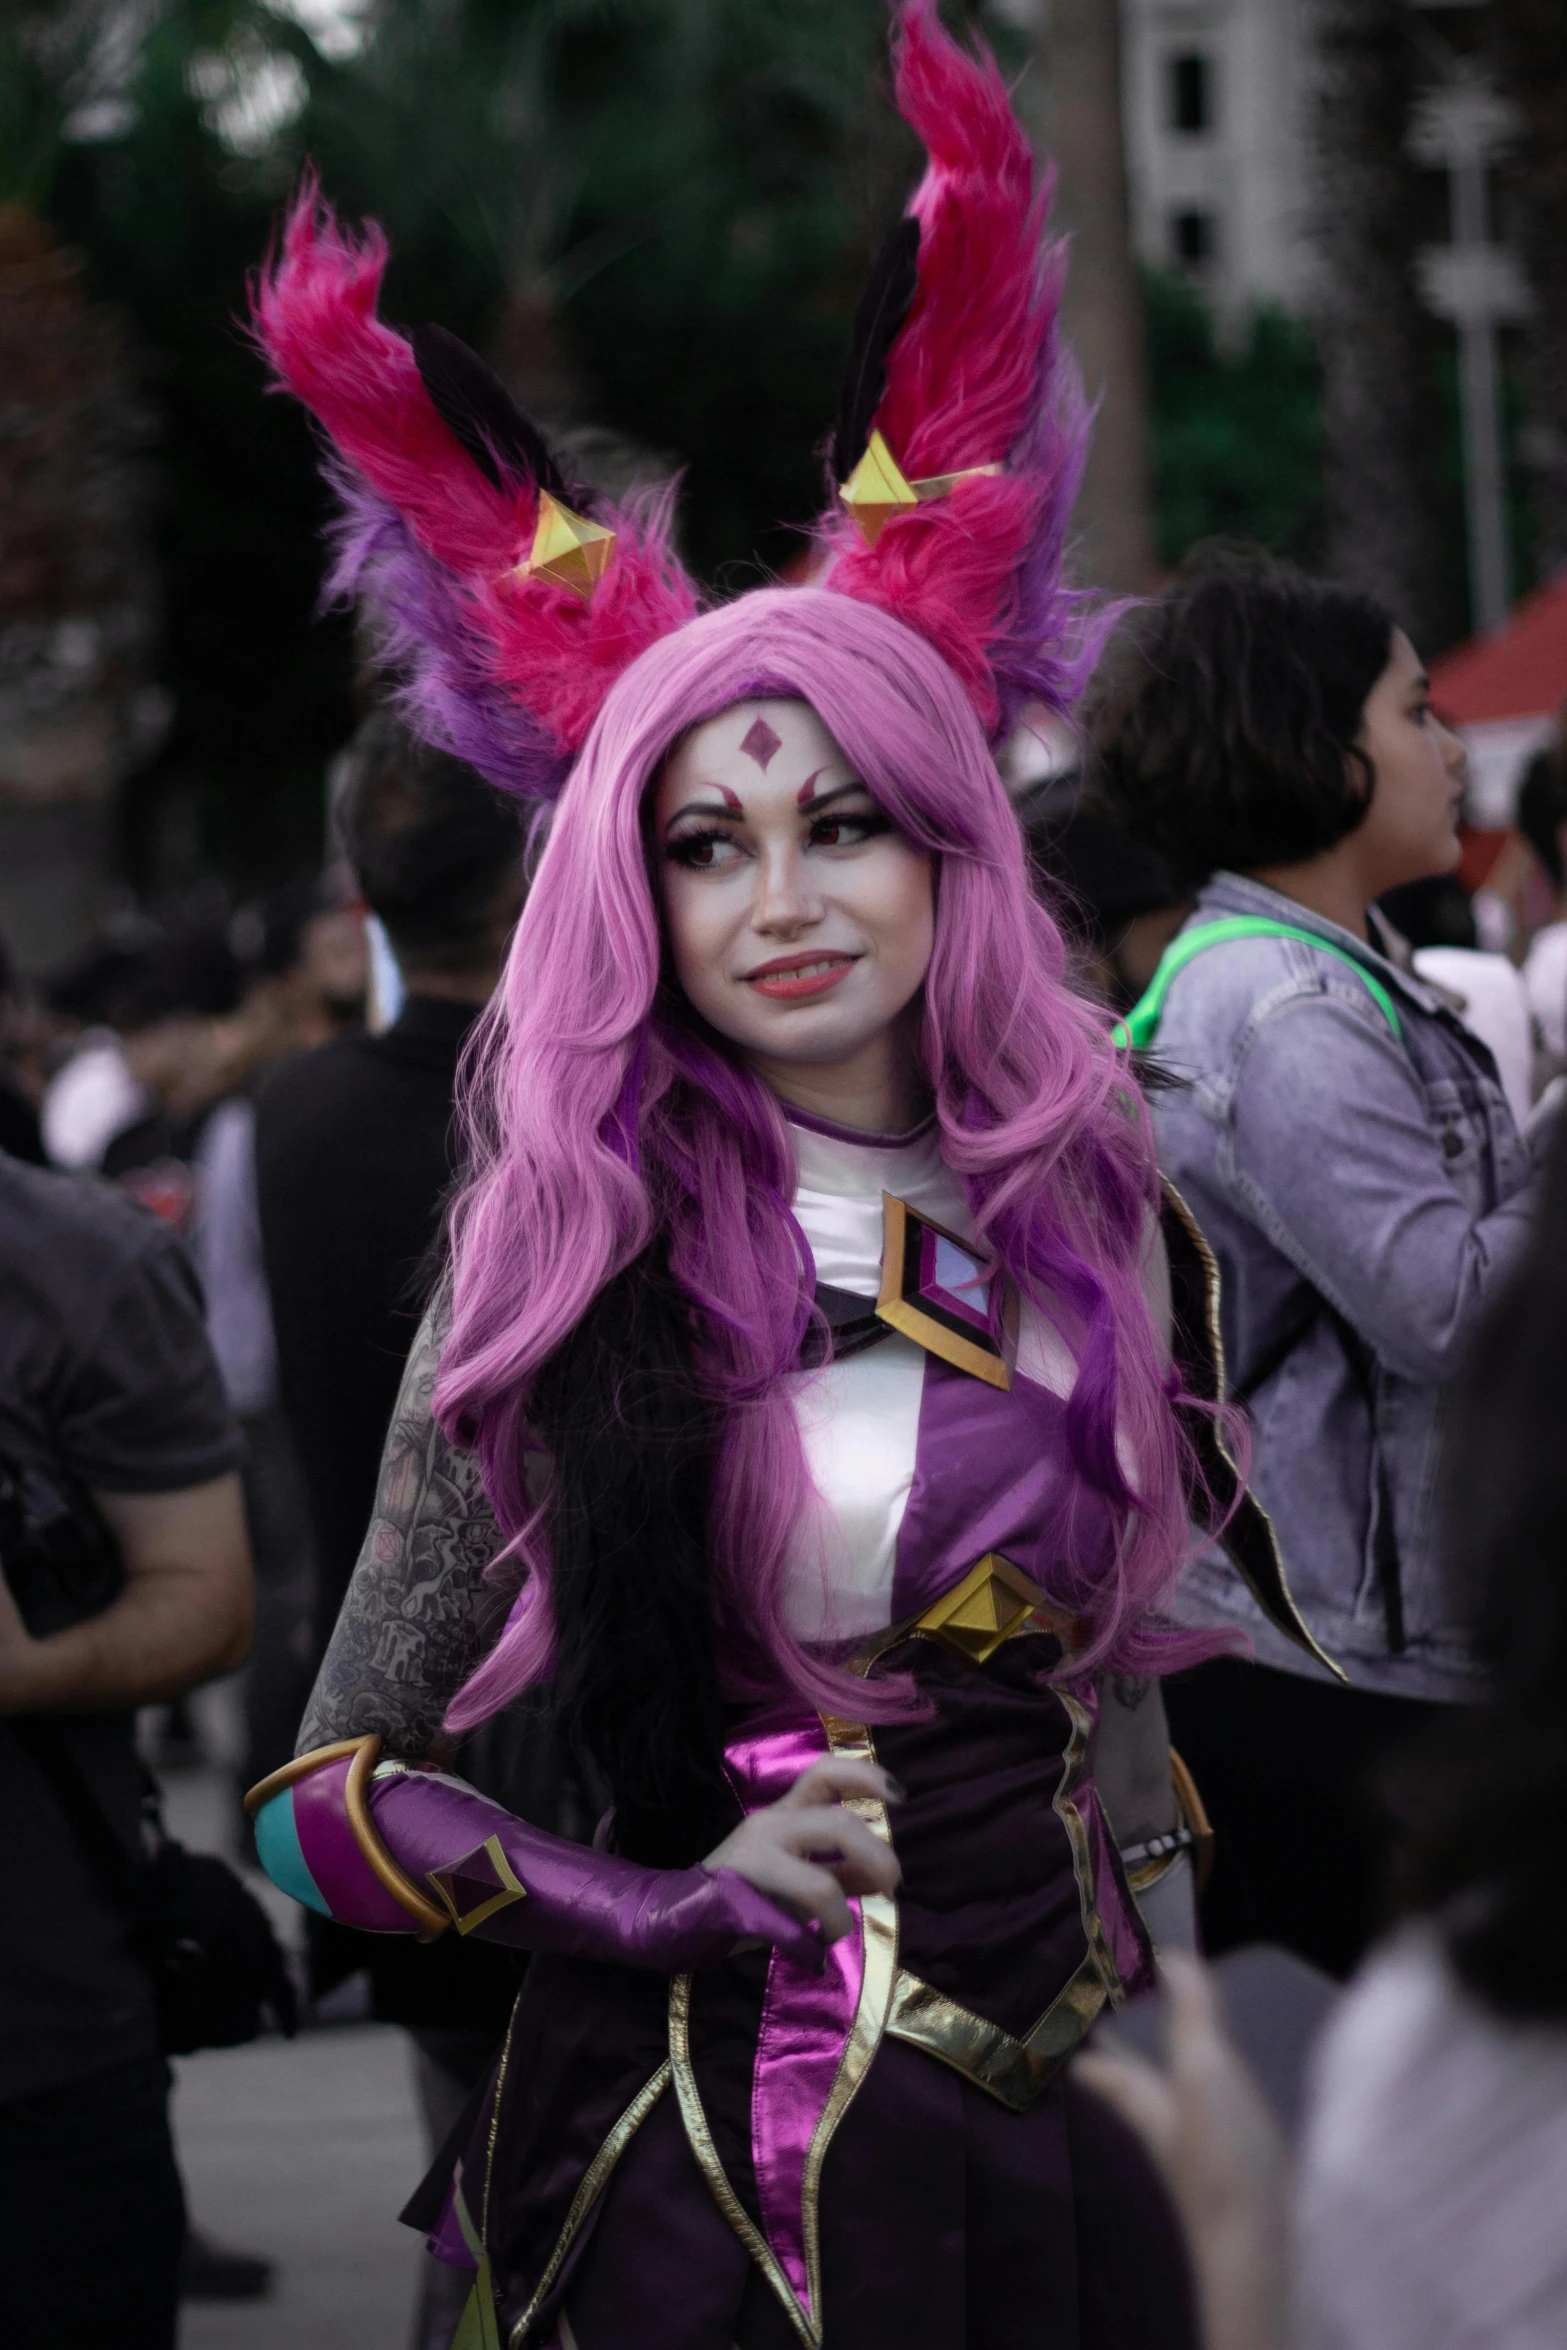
(353, 1141)
(354, 1158)
(124, 1579)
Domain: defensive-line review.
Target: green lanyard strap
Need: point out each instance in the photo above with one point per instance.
(1138, 1030)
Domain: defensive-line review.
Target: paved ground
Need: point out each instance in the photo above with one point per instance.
(305, 2152)
(302, 2150)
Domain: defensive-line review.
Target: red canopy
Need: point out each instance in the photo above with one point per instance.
(1521, 672)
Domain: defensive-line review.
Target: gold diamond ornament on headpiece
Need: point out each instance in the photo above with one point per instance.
(877, 489)
(567, 548)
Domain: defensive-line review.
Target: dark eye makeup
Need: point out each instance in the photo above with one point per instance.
(835, 828)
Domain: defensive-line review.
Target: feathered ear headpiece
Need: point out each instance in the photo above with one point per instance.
(509, 599)
(963, 431)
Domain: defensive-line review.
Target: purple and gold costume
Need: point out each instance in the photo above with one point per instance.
(708, 2130)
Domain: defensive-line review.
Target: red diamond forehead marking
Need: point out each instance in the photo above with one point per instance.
(761, 743)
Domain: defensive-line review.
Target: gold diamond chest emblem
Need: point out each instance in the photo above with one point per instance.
(994, 1600)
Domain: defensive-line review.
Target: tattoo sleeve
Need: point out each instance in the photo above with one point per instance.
(418, 1613)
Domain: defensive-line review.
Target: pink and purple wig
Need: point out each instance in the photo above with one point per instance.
(604, 1115)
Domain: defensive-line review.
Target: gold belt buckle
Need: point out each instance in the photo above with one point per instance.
(994, 1603)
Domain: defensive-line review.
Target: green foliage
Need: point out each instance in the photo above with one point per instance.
(1237, 433)
(682, 193)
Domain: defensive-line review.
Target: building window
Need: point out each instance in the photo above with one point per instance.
(1194, 239)
(1191, 93)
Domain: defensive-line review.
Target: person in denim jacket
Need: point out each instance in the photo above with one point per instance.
(1344, 1142)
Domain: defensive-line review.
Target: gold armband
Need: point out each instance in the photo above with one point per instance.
(366, 1753)
(1146, 1864)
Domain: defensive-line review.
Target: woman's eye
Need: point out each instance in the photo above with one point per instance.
(701, 852)
(847, 832)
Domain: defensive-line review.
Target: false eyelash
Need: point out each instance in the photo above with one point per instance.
(870, 824)
(673, 850)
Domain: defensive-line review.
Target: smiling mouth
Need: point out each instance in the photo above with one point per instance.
(793, 977)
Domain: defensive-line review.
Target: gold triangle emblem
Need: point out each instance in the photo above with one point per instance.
(876, 490)
(994, 1600)
(568, 548)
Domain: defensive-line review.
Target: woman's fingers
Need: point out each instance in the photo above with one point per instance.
(832, 1777)
(861, 1860)
(812, 1892)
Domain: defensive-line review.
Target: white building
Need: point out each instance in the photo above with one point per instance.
(1215, 103)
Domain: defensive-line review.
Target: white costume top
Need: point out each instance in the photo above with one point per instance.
(861, 1419)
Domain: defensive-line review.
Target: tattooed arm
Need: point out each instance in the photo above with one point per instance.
(418, 1614)
(1132, 1758)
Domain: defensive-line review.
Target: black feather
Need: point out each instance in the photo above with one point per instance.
(883, 307)
(472, 400)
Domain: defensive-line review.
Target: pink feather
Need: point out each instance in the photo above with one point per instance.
(976, 377)
(314, 308)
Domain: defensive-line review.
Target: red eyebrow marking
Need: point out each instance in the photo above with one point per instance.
(731, 799)
(803, 796)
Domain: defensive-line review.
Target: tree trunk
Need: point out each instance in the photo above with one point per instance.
(1382, 430)
(1529, 45)
(1075, 105)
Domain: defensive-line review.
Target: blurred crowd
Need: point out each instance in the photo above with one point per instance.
(207, 1344)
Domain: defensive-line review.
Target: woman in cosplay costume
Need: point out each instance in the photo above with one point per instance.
(809, 1374)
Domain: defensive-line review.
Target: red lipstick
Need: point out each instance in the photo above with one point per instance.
(791, 978)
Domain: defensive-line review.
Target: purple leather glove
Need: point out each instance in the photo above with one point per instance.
(485, 1871)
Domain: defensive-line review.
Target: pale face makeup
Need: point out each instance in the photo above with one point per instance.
(800, 920)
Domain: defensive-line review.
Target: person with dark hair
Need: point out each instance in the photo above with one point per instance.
(1542, 819)
(1428, 2209)
(1345, 1144)
(1112, 895)
(352, 1139)
(354, 1158)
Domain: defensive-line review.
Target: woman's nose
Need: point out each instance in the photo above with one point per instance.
(1455, 751)
(785, 900)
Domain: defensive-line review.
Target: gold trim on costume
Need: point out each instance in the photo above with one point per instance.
(510, 1889)
(1194, 1813)
(1278, 1604)
(476, 2328)
(879, 1968)
(1074, 1764)
(495, 2117)
(300, 1768)
(900, 1313)
(591, 2185)
(700, 2139)
(1012, 2071)
(356, 1803)
(852, 1742)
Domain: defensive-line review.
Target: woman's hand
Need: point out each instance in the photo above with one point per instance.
(808, 1854)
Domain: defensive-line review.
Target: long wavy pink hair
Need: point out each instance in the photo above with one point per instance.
(602, 1112)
